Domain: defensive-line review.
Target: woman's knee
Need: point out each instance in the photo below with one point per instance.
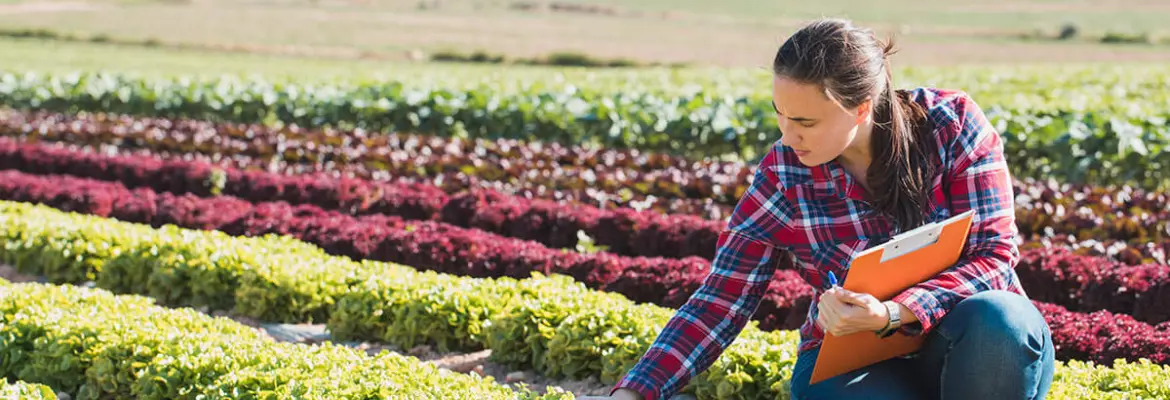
(993, 336)
(998, 315)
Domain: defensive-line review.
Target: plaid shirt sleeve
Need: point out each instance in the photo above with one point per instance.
(978, 179)
(716, 313)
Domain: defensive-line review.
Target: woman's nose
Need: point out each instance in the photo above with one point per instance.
(789, 139)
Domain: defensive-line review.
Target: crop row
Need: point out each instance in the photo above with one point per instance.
(1133, 89)
(551, 324)
(1085, 283)
(527, 169)
(20, 390)
(1054, 275)
(621, 231)
(1104, 251)
(100, 345)
(1096, 146)
(299, 145)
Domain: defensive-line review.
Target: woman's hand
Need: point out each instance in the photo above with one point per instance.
(842, 312)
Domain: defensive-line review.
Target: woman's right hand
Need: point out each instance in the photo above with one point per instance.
(620, 394)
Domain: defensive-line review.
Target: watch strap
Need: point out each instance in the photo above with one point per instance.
(894, 322)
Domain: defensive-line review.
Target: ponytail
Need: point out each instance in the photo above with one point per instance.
(902, 169)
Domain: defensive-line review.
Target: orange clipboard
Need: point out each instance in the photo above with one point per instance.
(885, 271)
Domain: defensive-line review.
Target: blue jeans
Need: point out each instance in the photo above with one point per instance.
(993, 345)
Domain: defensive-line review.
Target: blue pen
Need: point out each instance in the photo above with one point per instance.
(832, 280)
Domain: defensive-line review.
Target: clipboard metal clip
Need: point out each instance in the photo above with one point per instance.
(917, 238)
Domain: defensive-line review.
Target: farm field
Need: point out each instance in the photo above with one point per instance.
(402, 236)
(282, 199)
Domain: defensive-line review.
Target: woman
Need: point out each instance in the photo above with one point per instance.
(858, 162)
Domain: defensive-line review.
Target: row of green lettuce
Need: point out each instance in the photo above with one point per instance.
(20, 390)
(103, 346)
(1135, 87)
(1106, 137)
(550, 324)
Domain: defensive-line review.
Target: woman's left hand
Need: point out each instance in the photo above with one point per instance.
(842, 312)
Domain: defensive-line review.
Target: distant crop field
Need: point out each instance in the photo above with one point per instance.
(739, 33)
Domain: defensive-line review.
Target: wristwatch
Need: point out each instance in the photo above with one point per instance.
(895, 322)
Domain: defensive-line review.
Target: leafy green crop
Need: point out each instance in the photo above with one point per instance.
(446, 310)
(25, 391)
(100, 345)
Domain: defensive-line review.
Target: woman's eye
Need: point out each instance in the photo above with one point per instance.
(808, 125)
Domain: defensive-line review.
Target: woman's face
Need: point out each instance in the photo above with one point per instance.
(817, 128)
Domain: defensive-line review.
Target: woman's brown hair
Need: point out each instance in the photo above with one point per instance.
(853, 66)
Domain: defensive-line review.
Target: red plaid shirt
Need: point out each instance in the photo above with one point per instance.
(816, 215)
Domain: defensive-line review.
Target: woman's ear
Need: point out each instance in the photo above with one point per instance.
(863, 111)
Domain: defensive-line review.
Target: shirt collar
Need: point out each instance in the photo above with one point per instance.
(832, 178)
(827, 179)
